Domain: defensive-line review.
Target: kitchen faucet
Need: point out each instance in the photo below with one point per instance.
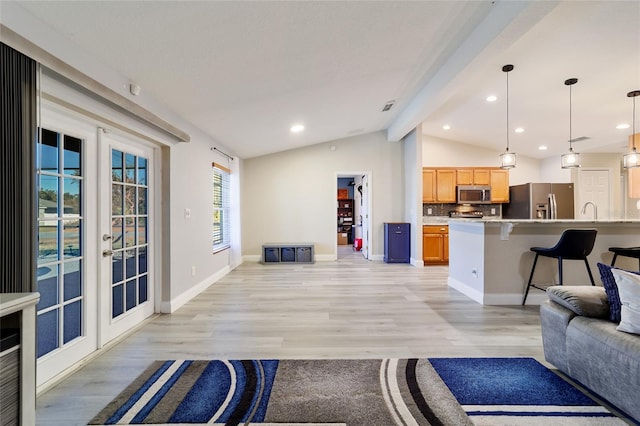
(595, 209)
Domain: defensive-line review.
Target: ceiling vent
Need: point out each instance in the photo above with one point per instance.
(579, 139)
(388, 106)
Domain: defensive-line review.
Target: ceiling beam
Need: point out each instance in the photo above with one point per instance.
(505, 23)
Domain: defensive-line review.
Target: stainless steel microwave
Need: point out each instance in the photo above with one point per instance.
(474, 194)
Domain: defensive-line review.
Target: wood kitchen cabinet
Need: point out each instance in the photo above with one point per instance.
(499, 185)
(428, 186)
(464, 177)
(634, 182)
(482, 176)
(435, 244)
(445, 185)
(470, 176)
(438, 185)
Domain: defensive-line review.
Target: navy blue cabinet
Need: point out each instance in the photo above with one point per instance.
(397, 242)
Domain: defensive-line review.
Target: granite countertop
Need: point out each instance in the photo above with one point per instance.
(443, 220)
(435, 220)
(546, 221)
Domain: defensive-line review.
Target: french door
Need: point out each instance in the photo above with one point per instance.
(126, 243)
(66, 322)
(95, 245)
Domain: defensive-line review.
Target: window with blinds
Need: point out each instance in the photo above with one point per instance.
(221, 234)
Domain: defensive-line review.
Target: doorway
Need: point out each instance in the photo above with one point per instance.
(594, 187)
(95, 247)
(354, 214)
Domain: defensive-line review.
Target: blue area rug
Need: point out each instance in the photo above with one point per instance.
(435, 391)
(514, 387)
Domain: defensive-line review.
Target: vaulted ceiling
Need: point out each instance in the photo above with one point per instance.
(244, 72)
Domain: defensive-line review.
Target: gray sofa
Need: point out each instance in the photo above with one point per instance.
(581, 341)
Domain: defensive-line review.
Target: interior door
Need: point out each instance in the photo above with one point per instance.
(127, 245)
(365, 216)
(594, 187)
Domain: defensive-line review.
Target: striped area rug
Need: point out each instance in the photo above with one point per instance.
(435, 391)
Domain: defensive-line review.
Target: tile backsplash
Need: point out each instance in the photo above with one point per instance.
(443, 209)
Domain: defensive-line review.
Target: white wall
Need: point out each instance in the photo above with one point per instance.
(291, 196)
(186, 179)
(191, 244)
(551, 171)
(437, 152)
(412, 147)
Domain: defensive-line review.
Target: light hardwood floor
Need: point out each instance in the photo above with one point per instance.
(351, 308)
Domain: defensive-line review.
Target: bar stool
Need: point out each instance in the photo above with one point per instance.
(625, 252)
(574, 244)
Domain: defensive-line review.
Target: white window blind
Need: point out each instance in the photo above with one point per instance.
(221, 232)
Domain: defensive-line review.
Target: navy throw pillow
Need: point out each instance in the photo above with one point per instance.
(611, 288)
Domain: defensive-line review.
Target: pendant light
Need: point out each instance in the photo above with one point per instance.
(571, 159)
(632, 159)
(507, 159)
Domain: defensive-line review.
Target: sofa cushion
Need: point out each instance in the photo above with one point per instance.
(610, 286)
(629, 290)
(585, 300)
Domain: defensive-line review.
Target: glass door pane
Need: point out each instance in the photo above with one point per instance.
(60, 234)
(129, 219)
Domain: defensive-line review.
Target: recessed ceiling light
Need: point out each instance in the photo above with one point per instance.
(297, 128)
(492, 98)
(542, 148)
(622, 126)
(519, 130)
(446, 127)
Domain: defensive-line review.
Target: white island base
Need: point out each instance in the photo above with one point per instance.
(490, 260)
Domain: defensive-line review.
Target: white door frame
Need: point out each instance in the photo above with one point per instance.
(368, 174)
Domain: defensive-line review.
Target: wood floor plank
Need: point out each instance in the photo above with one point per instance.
(350, 308)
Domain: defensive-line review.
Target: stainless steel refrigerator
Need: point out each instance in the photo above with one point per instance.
(539, 201)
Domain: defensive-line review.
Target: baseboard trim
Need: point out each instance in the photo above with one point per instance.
(325, 257)
(417, 262)
(317, 258)
(497, 299)
(471, 293)
(173, 305)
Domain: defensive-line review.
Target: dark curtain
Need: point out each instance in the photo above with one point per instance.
(17, 156)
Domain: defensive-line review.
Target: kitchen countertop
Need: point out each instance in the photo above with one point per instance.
(440, 220)
(546, 221)
(443, 220)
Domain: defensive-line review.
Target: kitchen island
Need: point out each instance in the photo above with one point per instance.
(490, 259)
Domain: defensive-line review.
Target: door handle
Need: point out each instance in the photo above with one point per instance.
(106, 237)
(107, 253)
